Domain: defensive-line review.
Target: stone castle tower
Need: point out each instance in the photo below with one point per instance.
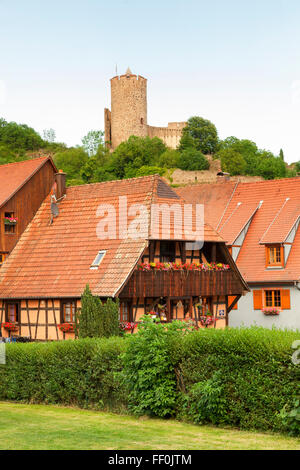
(128, 115)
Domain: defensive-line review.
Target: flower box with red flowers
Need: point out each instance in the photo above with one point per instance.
(127, 326)
(66, 327)
(271, 311)
(10, 220)
(9, 326)
(183, 267)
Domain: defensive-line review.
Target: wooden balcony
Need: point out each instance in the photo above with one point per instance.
(182, 283)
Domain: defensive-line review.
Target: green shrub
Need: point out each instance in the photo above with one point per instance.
(291, 418)
(206, 401)
(149, 368)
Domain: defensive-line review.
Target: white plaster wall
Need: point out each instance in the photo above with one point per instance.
(245, 315)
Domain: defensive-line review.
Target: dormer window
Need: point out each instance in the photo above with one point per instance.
(98, 259)
(274, 256)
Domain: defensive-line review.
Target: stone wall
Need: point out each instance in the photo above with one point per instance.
(170, 135)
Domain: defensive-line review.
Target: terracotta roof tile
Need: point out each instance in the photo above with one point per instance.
(14, 175)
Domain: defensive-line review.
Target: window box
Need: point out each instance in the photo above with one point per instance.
(10, 326)
(271, 311)
(10, 221)
(66, 327)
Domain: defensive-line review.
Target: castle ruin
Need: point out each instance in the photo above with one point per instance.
(128, 115)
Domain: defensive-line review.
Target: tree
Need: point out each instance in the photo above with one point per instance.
(136, 152)
(92, 141)
(246, 148)
(19, 136)
(203, 132)
(49, 135)
(110, 318)
(297, 166)
(97, 319)
(186, 142)
(90, 324)
(169, 159)
(233, 162)
(272, 167)
(191, 159)
(281, 154)
(71, 161)
(149, 170)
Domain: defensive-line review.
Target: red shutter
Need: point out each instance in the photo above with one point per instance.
(285, 299)
(257, 299)
(230, 300)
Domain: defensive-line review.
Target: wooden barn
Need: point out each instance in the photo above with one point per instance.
(23, 188)
(90, 241)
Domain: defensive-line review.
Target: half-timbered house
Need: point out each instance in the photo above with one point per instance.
(260, 223)
(90, 241)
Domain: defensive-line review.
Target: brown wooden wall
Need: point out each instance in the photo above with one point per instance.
(182, 283)
(24, 204)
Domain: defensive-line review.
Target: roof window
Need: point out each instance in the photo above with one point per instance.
(98, 259)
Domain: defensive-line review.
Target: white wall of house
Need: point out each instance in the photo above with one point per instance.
(245, 315)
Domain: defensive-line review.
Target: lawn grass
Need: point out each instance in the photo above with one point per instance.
(52, 427)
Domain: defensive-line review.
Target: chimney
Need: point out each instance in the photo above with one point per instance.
(222, 176)
(60, 179)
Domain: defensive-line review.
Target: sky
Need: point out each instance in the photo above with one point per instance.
(234, 62)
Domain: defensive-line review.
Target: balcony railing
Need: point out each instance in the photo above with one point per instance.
(182, 283)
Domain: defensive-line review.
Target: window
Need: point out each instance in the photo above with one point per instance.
(3, 257)
(12, 312)
(9, 228)
(273, 298)
(98, 259)
(68, 311)
(167, 252)
(280, 298)
(124, 312)
(274, 255)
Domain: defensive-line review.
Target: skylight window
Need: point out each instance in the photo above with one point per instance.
(98, 259)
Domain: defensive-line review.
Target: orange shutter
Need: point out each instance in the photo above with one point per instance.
(230, 300)
(285, 299)
(257, 299)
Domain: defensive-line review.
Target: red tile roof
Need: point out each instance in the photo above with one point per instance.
(271, 223)
(14, 175)
(55, 260)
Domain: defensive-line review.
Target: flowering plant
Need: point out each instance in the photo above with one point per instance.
(66, 327)
(271, 311)
(10, 220)
(178, 266)
(127, 325)
(206, 320)
(9, 326)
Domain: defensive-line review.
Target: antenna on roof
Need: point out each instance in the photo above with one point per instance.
(116, 69)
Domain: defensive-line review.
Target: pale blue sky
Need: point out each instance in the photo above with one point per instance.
(235, 62)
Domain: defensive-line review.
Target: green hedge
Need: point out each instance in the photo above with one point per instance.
(236, 377)
(248, 373)
(84, 373)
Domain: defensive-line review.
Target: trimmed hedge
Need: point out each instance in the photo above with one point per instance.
(249, 370)
(85, 373)
(236, 377)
